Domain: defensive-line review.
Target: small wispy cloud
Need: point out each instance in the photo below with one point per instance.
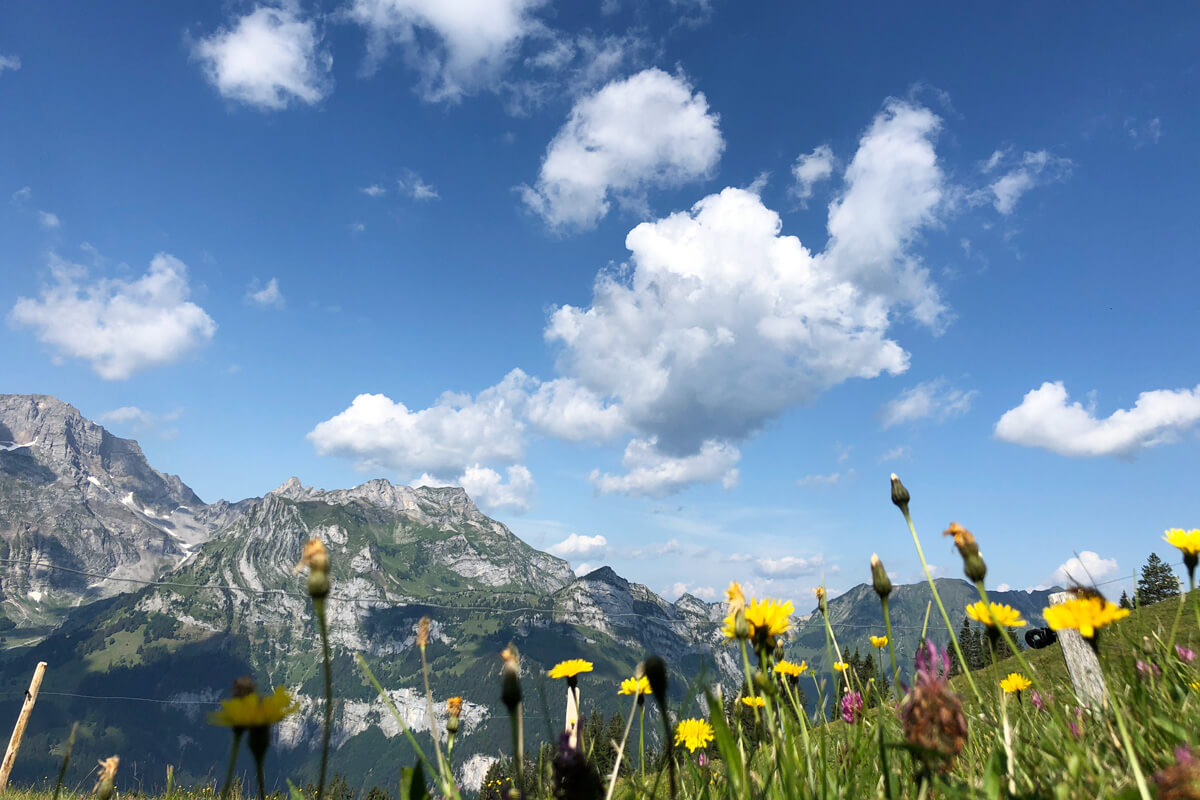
(934, 399)
(12, 63)
(49, 221)
(374, 190)
(268, 296)
(411, 185)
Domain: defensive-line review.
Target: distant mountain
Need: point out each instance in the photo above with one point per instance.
(74, 496)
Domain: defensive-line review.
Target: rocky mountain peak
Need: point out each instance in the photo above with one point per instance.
(423, 501)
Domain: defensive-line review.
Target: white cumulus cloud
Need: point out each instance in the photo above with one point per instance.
(487, 488)
(1045, 418)
(651, 473)
(119, 327)
(1085, 569)
(810, 169)
(455, 432)
(934, 399)
(268, 59)
(564, 409)
(576, 546)
(268, 296)
(788, 566)
(648, 130)
(458, 47)
(1032, 169)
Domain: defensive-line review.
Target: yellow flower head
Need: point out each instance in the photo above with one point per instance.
(108, 768)
(571, 668)
(820, 593)
(878, 641)
(997, 614)
(635, 686)
(964, 540)
(693, 734)
(737, 600)
(1015, 682)
(754, 702)
(250, 711)
(841, 666)
(454, 706)
(791, 669)
(314, 556)
(1195, 685)
(1187, 541)
(769, 615)
(1085, 614)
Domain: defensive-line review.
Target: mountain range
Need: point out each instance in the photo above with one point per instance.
(147, 602)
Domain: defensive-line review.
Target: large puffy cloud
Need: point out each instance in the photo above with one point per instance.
(651, 473)
(934, 399)
(1084, 569)
(1045, 418)
(268, 59)
(458, 47)
(119, 327)
(564, 409)
(487, 488)
(455, 432)
(647, 130)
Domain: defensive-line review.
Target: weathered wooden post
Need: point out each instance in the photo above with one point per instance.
(1082, 664)
(14, 744)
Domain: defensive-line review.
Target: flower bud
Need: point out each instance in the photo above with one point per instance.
(108, 777)
(453, 711)
(510, 682)
(656, 673)
(968, 548)
(900, 495)
(423, 632)
(741, 628)
(879, 576)
(318, 584)
(822, 603)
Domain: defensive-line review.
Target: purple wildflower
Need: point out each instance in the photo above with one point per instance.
(1185, 654)
(1181, 780)
(702, 760)
(1038, 702)
(1148, 669)
(852, 706)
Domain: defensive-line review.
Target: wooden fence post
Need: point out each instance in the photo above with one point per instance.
(14, 744)
(1082, 664)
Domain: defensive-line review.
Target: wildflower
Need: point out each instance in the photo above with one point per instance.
(852, 706)
(790, 668)
(1039, 702)
(510, 684)
(693, 734)
(769, 618)
(932, 715)
(575, 775)
(1186, 655)
(250, 710)
(879, 641)
(107, 779)
(570, 669)
(1087, 614)
(423, 633)
(1189, 544)
(1195, 685)
(639, 686)
(1181, 780)
(900, 495)
(316, 558)
(841, 666)
(735, 598)
(754, 702)
(453, 712)
(1015, 682)
(879, 577)
(968, 548)
(994, 614)
(1148, 669)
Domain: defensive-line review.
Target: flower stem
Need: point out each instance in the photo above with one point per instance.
(66, 760)
(233, 754)
(887, 621)
(319, 607)
(938, 598)
(262, 783)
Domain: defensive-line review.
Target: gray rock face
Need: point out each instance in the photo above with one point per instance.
(74, 496)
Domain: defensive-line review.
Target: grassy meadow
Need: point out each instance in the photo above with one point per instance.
(1014, 729)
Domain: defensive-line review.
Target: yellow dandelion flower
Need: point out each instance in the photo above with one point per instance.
(693, 734)
(879, 641)
(1015, 682)
(994, 614)
(454, 706)
(769, 615)
(1187, 541)
(635, 686)
(754, 702)
(1085, 614)
(251, 711)
(571, 668)
(841, 666)
(737, 600)
(791, 669)
(1195, 685)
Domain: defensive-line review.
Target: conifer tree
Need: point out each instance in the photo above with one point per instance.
(1125, 602)
(1158, 582)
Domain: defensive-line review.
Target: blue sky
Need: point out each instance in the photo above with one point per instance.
(745, 261)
